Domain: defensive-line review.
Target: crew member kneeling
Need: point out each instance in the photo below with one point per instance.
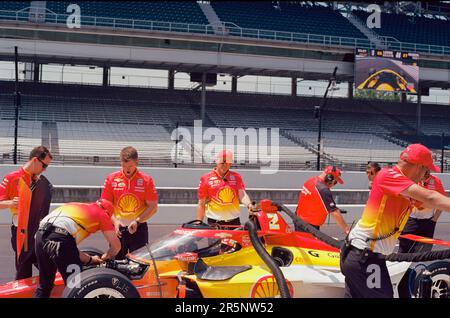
(59, 234)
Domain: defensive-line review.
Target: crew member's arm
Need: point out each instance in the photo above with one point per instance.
(5, 195)
(436, 215)
(429, 197)
(201, 209)
(337, 216)
(245, 199)
(202, 199)
(114, 245)
(8, 204)
(152, 206)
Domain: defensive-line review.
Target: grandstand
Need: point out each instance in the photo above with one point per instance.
(89, 124)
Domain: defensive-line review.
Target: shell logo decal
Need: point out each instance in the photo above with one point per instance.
(266, 287)
(128, 203)
(226, 196)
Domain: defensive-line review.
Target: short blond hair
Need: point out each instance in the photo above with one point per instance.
(128, 153)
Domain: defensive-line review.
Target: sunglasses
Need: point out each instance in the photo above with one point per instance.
(44, 165)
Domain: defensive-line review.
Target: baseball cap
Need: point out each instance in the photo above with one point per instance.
(419, 154)
(105, 205)
(335, 172)
(224, 156)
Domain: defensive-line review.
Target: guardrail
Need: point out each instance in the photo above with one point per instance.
(229, 30)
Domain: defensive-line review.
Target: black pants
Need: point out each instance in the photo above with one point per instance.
(365, 276)
(24, 265)
(55, 251)
(224, 224)
(131, 242)
(422, 227)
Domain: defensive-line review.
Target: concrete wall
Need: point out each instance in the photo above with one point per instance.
(189, 177)
(178, 189)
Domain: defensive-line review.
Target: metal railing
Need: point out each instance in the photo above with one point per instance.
(231, 31)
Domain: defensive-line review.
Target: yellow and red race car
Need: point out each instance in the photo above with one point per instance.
(197, 260)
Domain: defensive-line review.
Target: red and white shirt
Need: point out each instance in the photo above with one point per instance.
(9, 188)
(386, 212)
(221, 194)
(420, 212)
(129, 196)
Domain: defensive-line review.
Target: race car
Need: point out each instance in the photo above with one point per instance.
(196, 260)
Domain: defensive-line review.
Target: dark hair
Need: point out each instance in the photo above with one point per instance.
(40, 152)
(128, 153)
(375, 165)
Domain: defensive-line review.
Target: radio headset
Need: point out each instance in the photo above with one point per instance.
(329, 178)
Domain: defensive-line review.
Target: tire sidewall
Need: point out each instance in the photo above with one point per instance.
(438, 270)
(102, 278)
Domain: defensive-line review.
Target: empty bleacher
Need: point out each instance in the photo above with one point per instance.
(412, 29)
(167, 11)
(96, 122)
(288, 17)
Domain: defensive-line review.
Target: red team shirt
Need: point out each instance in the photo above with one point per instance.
(315, 202)
(434, 184)
(221, 194)
(80, 219)
(385, 211)
(129, 195)
(9, 188)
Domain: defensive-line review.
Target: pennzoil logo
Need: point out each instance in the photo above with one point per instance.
(129, 203)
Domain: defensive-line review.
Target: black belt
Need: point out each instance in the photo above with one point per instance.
(367, 253)
(54, 229)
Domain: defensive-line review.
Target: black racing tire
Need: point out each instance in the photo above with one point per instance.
(440, 275)
(102, 283)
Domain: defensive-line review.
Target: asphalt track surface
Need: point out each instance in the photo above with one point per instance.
(96, 240)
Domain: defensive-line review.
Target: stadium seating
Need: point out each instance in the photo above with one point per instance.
(412, 29)
(354, 131)
(168, 11)
(290, 18)
(14, 5)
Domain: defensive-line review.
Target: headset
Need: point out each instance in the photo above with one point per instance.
(329, 178)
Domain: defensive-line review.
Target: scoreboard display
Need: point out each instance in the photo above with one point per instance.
(385, 70)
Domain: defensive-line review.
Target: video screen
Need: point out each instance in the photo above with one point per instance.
(389, 71)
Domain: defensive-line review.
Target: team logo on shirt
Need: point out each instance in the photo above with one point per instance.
(140, 182)
(232, 178)
(128, 203)
(226, 196)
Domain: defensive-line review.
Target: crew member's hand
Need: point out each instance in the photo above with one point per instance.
(252, 208)
(105, 257)
(96, 260)
(117, 225)
(132, 228)
(15, 202)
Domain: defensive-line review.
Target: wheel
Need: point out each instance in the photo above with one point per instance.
(440, 275)
(102, 283)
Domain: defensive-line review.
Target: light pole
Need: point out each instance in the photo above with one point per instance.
(318, 114)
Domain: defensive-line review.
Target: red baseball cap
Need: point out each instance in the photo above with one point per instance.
(419, 154)
(335, 172)
(224, 156)
(106, 205)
